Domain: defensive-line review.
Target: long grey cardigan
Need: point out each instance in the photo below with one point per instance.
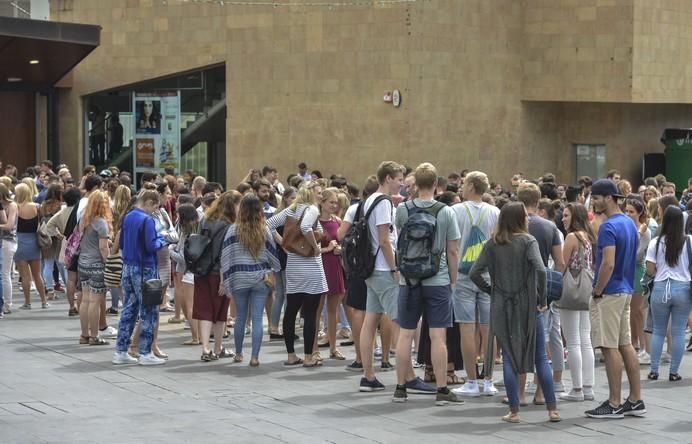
(517, 288)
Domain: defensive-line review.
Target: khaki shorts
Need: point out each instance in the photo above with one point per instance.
(610, 320)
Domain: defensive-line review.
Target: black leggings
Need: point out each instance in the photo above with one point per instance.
(309, 303)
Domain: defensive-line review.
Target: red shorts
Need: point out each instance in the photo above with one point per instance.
(207, 304)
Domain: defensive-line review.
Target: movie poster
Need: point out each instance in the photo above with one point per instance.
(157, 131)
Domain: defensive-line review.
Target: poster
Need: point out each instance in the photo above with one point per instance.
(157, 131)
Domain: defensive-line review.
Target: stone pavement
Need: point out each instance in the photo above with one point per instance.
(54, 390)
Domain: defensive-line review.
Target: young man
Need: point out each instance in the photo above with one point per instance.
(383, 284)
(668, 189)
(272, 175)
(434, 294)
(468, 299)
(262, 189)
(550, 245)
(303, 172)
(616, 255)
(613, 175)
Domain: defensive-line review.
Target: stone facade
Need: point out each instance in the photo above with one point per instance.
(494, 85)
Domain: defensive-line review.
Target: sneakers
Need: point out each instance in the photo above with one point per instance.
(558, 387)
(445, 398)
(386, 366)
(122, 358)
(635, 408)
(573, 396)
(355, 367)
(531, 387)
(45, 305)
(470, 389)
(588, 394)
(25, 307)
(416, 364)
(644, 358)
(378, 353)
(489, 388)
(73, 312)
(150, 359)
(607, 411)
(417, 385)
(186, 325)
(665, 358)
(109, 332)
(400, 394)
(370, 386)
(7, 310)
(112, 311)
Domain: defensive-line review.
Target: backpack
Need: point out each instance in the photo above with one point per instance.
(356, 249)
(474, 243)
(198, 251)
(416, 256)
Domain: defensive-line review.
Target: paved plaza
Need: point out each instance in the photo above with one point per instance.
(54, 390)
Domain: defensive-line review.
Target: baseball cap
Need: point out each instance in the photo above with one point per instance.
(106, 173)
(605, 187)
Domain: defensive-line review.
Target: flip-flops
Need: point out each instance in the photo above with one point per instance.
(294, 363)
(312, 364)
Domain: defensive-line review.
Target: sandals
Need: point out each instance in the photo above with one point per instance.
(159, 354)
(429, 375)
(317, 357)
(175, 320)
(453, 379)
(314, 363)
(293, 363)
(238, 358)
(83, 339)
(98, 341)
(225, 353)
(554, 416)
(674, 377)
(191, 342)
(336, 354)
(653, 376)
(512, 418)
(207, 356)
(505, 400)
(535, 402)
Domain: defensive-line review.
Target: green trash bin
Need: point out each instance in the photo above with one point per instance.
(678, 151)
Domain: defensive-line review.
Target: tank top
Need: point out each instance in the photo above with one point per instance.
(10, 234)
(27, 225)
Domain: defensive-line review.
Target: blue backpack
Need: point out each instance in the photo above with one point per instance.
(474, 243)
(416, 256)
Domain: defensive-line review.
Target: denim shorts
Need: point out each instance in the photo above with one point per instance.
(470, 301)
(383, 294)
(435, 300)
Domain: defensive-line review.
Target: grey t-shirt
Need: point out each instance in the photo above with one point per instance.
(447, 230)
(487, 223)
(547, 235)
(89, 252)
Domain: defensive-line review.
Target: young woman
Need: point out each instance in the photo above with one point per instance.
(29, 182)
(210, 308)
(331, 262)
(248, 263)
(280, 277)
(138, 244)
(95, 227)
(28, 254)
(51, 205)
(635, 209)
(164, 227)
(576, 324)
(188, 220)
(667, 261)
(518, 299)
(305, 278)
(8, 234)
(122, 203)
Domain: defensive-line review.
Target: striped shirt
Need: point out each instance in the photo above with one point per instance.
(303, 274)
(239, 269)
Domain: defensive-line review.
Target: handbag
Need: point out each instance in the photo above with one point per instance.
(72, 247)
(294, 241)
(576, 289)
(152, 289)
(553, 285)
(113, 270)
(45, 241)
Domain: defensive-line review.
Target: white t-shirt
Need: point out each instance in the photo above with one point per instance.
(350, 215)
(382, 214)
(82, 206)
(680, 272)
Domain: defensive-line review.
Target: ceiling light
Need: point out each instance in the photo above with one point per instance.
(33, 62)
(14, 79)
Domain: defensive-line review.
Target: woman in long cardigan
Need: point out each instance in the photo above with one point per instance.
(518, 299)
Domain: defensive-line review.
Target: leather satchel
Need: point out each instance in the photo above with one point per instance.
(294, 241)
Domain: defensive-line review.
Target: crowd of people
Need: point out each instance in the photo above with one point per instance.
(463, 272)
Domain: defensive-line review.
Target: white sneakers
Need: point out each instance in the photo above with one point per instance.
(122, 358)
(573, 396)
(644, 358)
(472, 389)
(109, 332)
(558, 387)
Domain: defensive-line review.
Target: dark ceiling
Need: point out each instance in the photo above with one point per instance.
(58, 47)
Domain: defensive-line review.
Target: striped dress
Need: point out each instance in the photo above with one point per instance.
(239, 269)
(303, 274)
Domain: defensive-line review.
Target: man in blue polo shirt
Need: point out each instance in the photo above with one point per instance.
(616, 255)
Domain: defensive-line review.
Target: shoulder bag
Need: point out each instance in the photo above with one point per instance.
(576, 289)
(294, 241)
(152, 289)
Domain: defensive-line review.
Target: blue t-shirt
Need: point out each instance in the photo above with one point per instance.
(618, 231)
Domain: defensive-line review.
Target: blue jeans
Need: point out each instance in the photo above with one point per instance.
(252, 299)
(279, 296)
(115, 297)
(669, 299)
(132, 287)
(543, 372)
(48, 272)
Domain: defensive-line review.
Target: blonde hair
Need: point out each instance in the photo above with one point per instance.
(388, 168)
(328, 193)
(425, 175)
(28, 181)
(121, 203)
(479, 180)
(98, 205)
(529, 194)
(625, 187)
(22, 194)
(7, 182)
(344, 203)
(305, 194)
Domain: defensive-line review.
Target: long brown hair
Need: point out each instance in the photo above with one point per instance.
(251, 226)
(512, 221)
(223, 207)
(580, 222)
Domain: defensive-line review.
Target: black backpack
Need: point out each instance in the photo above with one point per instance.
(199, 253)
(356, 249)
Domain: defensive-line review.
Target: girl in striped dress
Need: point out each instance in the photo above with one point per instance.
(305, 279)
